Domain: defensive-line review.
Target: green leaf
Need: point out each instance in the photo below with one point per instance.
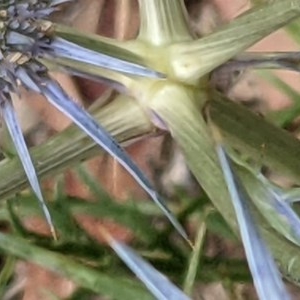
(194, 261)
(87, 277)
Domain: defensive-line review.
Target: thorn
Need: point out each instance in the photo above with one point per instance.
(53, 233)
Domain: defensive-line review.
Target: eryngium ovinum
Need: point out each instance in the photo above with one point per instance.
(25, 40)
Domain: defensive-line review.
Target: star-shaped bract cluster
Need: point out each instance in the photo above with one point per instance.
(24, 40)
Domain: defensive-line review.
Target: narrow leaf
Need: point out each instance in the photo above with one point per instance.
(266, 277)
(194, 261)
(266, 60)
(272, 201)
(156, 283)
(285, 211)
(6, 274)
(63, 48)
(274, 205)
(57, 97)
(227, 75)
(16, 134)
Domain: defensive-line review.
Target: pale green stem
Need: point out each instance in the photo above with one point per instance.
(163, 22)
(191, 60)
(6, 274)
(194, 261)
(71, 146)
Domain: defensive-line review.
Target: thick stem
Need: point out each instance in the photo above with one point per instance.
(123, 118)
(163, 22)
